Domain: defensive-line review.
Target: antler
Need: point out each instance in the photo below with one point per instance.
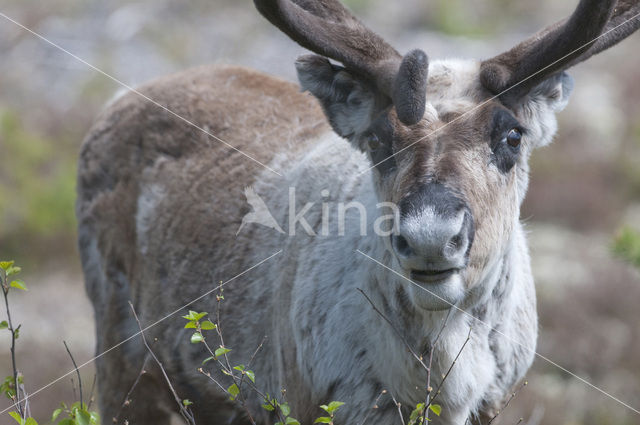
(594, 26)
(328, 28)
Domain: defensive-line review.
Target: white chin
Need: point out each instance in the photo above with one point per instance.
(438, 296)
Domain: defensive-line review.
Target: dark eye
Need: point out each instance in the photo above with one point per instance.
(373, 142)
(514, 137)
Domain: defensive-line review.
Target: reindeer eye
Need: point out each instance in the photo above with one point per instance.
(373, 142)
(514, 137)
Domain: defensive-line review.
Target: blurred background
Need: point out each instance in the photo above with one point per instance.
(582, 208)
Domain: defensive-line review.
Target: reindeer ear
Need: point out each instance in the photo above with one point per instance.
(348, 102)
(555, 91)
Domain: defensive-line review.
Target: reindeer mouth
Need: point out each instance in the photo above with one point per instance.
(433, 276)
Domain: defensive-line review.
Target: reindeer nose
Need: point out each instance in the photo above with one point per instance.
(436, 232)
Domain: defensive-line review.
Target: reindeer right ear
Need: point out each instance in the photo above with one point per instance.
(348, 102)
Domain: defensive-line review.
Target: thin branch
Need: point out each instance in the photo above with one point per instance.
(242, 380)
(93, 387)
(427, 398)
(75, 366)
(374, 407)
(446, 375)
(253, 356)
(208, 375)
(127, 399)
(5, 291)
(184, 412)
(399, 407)
(513, 394)
(404, 341)
(444, 325)
(238, 383)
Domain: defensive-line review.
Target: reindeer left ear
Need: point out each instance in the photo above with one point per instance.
(348, 102)
(555, 91)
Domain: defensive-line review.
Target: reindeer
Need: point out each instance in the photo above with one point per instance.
(160, 199)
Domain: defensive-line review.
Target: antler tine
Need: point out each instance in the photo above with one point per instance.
(329, 29)
(624, 22)
(547, 52)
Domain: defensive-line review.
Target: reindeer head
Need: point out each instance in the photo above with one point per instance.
(448, 141)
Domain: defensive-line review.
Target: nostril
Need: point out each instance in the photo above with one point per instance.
(456, 245)
(401, 245)
(456, 242)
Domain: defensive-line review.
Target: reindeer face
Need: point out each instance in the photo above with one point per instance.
(451, 150)
(458, 175)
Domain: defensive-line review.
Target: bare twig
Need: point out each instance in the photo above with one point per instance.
(184, 411)
(127, 398)
(208, 375)
(75, 366)
(73, 388)
(255, 353)
(93, 387)
(404, 341)
(253, 356)
(374, 407)
(399, 407)
(513, 394)
(432, 347)
(446, 375)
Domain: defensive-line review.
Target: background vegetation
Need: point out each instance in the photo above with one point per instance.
(582, 207)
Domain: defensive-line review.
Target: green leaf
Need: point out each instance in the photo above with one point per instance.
(83, 417)
(268, 407)
(15, 415)
(240, 367)
(4, 265)
(291, 421)
(13, 270)
(67, 422)
(186, 402)
(436, 408)
(191, 325)
(31, 421)
(207, 325)
(207, 360)
(234, 391)
(19, 284)
(251, 375)
(285, 409)
(4, 324)
(55, 415)
(416, 414)
(221, 351)
(194, 315)
(196, 338)
(95, 418)
(199, 316)
(333, 406)
(322, 420)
